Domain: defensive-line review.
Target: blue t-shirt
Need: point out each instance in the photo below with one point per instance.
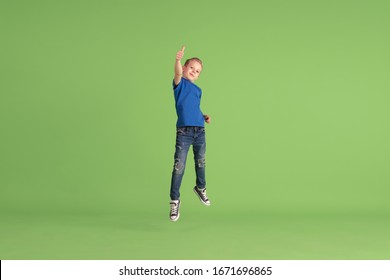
(187, 101)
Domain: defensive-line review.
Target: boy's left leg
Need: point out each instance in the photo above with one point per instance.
(199, 148)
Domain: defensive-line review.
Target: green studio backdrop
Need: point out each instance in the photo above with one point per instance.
(297, 152)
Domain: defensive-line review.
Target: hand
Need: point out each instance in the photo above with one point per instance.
(207, 118)
(180, 53)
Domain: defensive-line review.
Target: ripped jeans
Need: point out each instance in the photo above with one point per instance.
(185, 137)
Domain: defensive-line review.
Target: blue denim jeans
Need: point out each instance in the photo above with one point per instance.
(185, 137)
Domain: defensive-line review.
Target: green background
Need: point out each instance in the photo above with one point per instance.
(298, 151)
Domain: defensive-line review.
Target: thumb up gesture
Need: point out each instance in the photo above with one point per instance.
(180, 53)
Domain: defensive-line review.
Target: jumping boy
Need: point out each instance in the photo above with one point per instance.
(189, 130)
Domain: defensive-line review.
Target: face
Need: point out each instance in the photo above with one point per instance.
(192, 70)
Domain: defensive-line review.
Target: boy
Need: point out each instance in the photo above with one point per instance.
(189, 130)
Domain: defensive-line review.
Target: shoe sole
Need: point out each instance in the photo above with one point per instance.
(174, 220)
(201, 200)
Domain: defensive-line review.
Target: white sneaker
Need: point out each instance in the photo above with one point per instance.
(174, 214)
(201, 193)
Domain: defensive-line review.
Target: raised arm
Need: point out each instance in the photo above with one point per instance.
(178, 67)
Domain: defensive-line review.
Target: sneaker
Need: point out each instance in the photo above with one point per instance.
(175, 210)
(201, 193)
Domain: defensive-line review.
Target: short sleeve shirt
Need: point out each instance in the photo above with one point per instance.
(187, 101)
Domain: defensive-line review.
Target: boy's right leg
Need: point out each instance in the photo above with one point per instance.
(183, 143)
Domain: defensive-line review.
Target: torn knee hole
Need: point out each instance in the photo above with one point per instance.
(201, 162)
(179, 166)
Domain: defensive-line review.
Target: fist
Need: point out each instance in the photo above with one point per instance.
(180, 54)
(207, 118)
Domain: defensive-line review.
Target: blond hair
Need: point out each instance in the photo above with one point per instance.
(194, 58)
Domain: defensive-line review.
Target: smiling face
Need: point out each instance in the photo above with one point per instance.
(191, 70)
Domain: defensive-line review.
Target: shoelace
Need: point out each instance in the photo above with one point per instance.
(174, 208)
(203, 194)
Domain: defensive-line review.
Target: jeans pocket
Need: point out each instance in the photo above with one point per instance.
(181, 131)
